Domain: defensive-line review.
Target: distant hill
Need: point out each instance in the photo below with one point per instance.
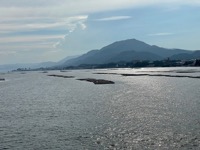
(49, 64)
(186, 56)
(86, 58)
(10, 67)
(66, 59)
(128, 56)
(127, 50)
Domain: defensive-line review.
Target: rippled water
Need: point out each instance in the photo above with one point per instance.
(139, 112)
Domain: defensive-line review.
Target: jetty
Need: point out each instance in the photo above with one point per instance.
(97, 81)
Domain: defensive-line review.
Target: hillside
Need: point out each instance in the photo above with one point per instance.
(126, 50)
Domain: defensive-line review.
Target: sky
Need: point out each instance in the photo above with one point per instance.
(50, 30)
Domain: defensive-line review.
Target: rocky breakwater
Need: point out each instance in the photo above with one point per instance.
(2, 79)
(97, 81)
(162, 75)
(60, 76)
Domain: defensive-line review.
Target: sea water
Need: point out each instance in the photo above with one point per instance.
(137, 112)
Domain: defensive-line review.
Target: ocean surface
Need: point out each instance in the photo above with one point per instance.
(39, 112)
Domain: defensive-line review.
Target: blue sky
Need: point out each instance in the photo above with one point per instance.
(41, 30)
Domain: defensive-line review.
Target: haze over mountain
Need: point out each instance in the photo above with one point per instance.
(186, 56)
(9, 67)
(129, 50)
(120, 51)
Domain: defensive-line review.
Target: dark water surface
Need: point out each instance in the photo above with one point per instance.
(39, 112)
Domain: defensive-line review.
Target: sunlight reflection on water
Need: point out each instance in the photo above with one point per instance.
(41, 112)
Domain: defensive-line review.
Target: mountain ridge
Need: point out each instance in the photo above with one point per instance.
(119, 51)
(131, 47)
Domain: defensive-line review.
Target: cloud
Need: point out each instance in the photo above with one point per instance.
(40, 23)
(19, 44)
(14, 40)
(62, 20)
(37, 38)
(75, 22)
(161, 34)
(59, 44)
(63, 8)
(7, 52)
(77, 25)
(113, 18)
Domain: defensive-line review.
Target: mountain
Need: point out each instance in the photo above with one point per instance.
(66, 59)
(10, 67)
(128, 56)
(186, 56)
(86, 58)
(126, 50)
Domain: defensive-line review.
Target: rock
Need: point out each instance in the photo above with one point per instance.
(2, 79)
(64, 71)
(162, 75)
(61, 76)
(44, 72)
(97, 81)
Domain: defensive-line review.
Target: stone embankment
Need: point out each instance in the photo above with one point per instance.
(97, 81)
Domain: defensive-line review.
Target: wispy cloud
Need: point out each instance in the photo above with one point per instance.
(24, 39)
(12, 39)
(35, 18)
(80, 24)
(4, 53)
(42, 23)
(161, 34)
(113, 18)
(22, 8)
(61, 42)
